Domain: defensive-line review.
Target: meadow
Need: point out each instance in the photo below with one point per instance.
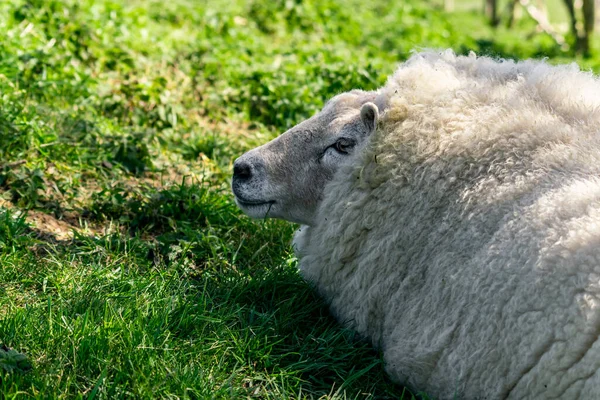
(126, 270)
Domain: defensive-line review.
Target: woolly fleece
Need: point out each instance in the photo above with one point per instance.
(464, 240)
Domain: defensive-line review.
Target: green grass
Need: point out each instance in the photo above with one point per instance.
(126, 270)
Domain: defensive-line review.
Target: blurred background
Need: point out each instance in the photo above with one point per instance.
(126, 270)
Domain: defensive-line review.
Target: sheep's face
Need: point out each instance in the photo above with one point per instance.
(285, 177)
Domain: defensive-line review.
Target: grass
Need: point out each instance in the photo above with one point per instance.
(126, 270)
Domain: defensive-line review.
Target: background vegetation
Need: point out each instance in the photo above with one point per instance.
(126, 270)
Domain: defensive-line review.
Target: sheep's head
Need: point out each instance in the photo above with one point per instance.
(285, 177)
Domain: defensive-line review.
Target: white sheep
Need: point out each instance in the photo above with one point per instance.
(453, 219)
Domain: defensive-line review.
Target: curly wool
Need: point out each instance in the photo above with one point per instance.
(464, 241)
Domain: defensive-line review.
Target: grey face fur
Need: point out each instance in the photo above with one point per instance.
(285, 177)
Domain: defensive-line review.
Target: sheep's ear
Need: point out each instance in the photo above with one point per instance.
(369, 114)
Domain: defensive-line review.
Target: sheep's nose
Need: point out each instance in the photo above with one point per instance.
(242, 170)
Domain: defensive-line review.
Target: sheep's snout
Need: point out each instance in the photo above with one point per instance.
(250, 185)
(242, 171)
(249, 178)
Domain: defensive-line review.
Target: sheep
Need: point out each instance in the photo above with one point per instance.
(452, 218)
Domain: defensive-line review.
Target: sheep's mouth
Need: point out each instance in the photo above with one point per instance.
(253, 203)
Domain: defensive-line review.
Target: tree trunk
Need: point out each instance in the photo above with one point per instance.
(511, 10)
(570, 4)
(589, 16)
(491, 11)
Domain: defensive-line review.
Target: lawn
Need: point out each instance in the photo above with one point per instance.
(126, 270)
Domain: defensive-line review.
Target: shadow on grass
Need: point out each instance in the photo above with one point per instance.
(234, 289)
(287, 330)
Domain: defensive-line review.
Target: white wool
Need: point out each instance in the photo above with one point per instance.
(464, 241)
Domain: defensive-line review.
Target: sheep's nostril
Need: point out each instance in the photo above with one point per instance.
(242, 171)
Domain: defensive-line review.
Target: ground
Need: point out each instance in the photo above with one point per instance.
(126, 270)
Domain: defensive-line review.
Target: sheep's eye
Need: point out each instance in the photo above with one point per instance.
(343, 145)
